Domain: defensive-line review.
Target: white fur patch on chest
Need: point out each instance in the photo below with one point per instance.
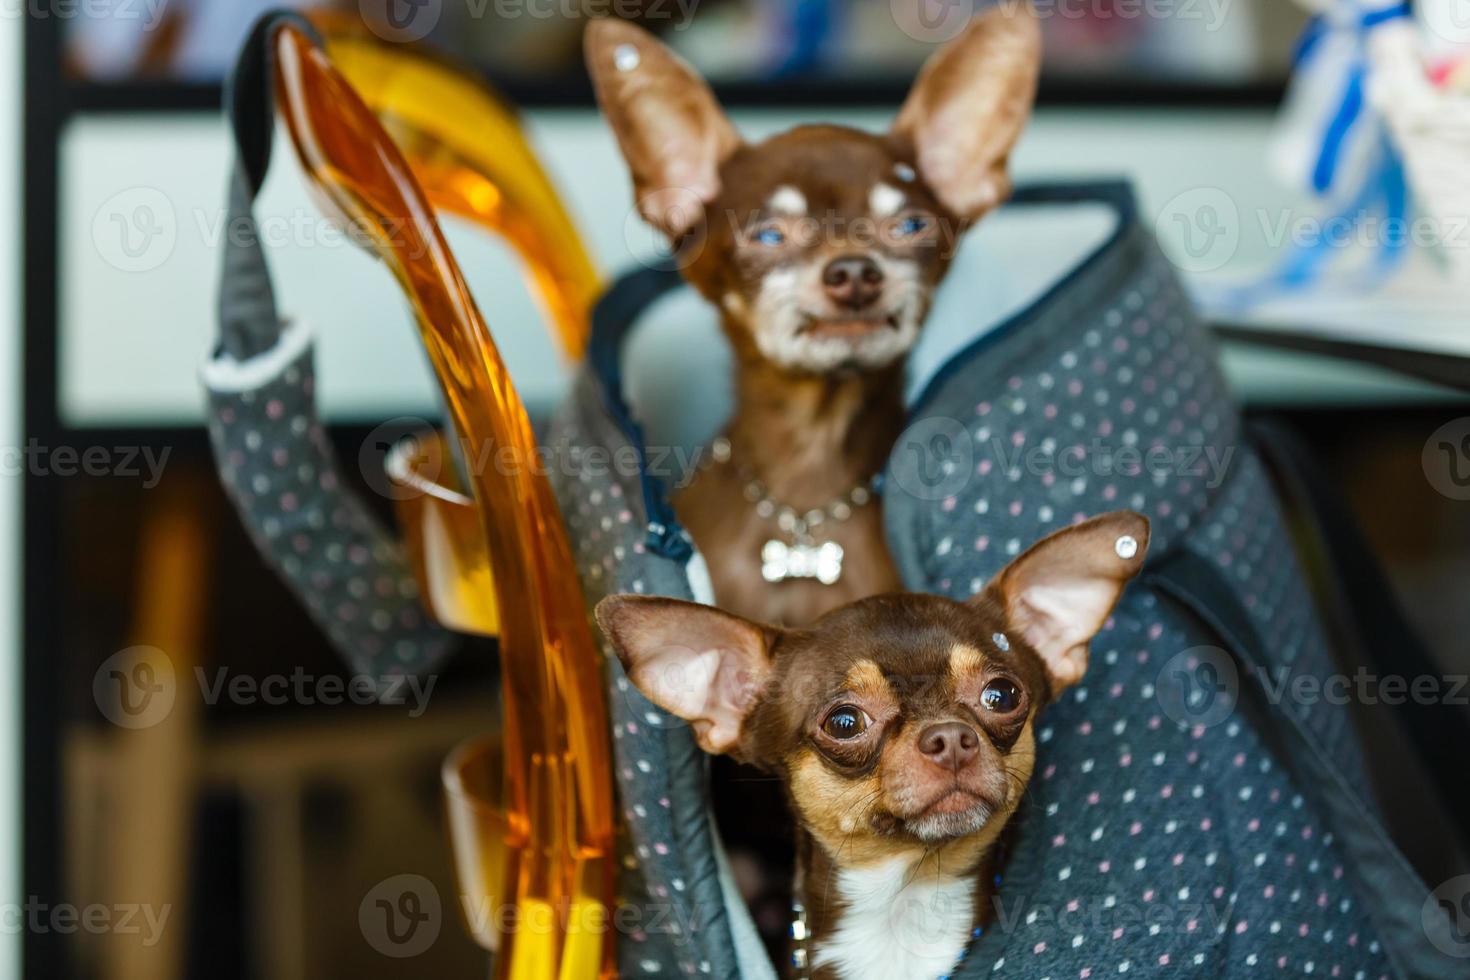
(898, 924)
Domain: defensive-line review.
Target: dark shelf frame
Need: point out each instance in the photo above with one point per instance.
(574, 91)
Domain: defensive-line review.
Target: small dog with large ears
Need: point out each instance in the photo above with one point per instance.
(901, 726)
(821, 247)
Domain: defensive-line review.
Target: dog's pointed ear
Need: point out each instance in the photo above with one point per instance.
(671, 130)
(696, 662)
(1058, 593)
(969, 105)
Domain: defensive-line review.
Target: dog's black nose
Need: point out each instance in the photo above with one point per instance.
(950, 744)
(853, 281)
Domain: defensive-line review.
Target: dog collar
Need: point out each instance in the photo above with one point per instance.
(797, 554)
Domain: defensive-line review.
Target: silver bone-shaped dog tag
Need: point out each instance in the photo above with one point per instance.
(781, 561)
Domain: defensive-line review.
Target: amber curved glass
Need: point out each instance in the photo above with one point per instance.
(472, 159)
(557, 787)
(441, 533)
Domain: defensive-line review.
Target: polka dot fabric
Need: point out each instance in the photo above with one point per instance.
(670, 887)
(282, 476)
(1152, 843)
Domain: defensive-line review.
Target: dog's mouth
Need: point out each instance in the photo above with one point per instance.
(953, 801)
(846, 327)
(954, 813)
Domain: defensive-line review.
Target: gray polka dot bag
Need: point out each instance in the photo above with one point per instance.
(1179, 821)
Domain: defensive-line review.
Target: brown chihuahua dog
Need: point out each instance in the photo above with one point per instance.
(902, 727)
(821, 247)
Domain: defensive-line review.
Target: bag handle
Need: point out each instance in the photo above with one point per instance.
(307, 525)
(249, 323)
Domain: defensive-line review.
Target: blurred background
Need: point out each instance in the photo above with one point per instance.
(254, 825)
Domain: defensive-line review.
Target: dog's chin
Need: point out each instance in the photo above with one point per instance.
(956, 814)
(823, 344)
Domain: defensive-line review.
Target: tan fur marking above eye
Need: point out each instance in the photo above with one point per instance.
(884, 200)
(866, 678)
(964, 661)
(788, 200)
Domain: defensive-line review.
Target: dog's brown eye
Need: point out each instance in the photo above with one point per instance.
(1001, 696)
(845, 721)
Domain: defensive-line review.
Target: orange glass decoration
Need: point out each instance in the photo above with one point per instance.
(475, 162)
(448, 551)
(474, 805)
(472, 159)
(558, 784)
